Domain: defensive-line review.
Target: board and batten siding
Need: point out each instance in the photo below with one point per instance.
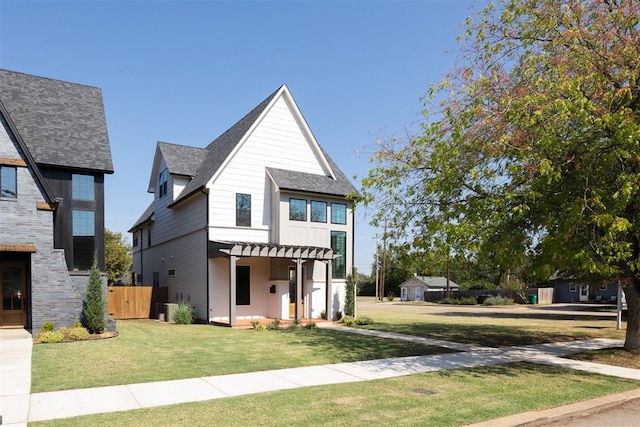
(277, 141)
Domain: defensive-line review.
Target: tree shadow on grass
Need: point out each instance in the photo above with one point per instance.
(485, 335)
(540, 316)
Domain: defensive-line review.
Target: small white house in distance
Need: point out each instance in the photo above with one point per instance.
(414, 288)
(255, 225)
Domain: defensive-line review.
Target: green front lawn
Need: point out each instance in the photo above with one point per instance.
(148, 350)
(448, 398)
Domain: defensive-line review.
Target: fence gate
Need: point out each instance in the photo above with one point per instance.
(134, 302)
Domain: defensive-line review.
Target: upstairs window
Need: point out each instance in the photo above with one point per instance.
(338, 213)
(135, 238)
(84, 231)
(318, 211)
(243, 210)
(8, 182)
(82, 187)
(163, 177)
(297, 209)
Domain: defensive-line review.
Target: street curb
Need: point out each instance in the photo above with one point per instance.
(561, 413)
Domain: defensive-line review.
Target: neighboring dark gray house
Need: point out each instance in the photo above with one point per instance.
(54, 153)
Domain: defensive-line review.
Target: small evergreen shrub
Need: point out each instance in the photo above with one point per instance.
(274, 325)
(311, 325)
(47, 327)
(323, 315)
(499, 301)
(337, 315)
(293, 326)
(183, 315)
(391, 296)
(93, 310)
(50, 337)
(364, 320)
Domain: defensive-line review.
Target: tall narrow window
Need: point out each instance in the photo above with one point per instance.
(318, 211)
(135, 238)
(82, 187)
(8, 182)
(338, 213)
(243, 285)
(339, 246)
(162, 183)
(84, 231)
(243, 210)
(297, 209)
(148, 237)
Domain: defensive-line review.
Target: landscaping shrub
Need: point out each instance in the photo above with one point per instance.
(183, 315)
(364, 320)
(77, 334)
(47, 327)
(323, 315)
(349, 298)
(274, 325)
(498, 301)
(50, 337)
(348, 321)
(293, 326)
(311, 325)
(337, 315)
(93, 310)
(391, 296)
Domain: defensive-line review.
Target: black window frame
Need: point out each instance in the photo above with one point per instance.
(334, 218)
(243, 285)
(5, 191)
(301, 215)
(163, 178)
(243, 214)
(313, 217)
(339, 265)
(78, 187)
(84, 239)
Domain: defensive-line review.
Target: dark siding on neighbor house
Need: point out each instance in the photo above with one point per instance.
(59, 181)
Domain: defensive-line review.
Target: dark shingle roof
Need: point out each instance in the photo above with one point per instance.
(182, 159)
(62, 123)
(146, 216)
(220, 148)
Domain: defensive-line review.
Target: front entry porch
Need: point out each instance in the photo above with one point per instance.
(288, 279)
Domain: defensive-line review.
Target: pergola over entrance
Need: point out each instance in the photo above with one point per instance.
(297, 254)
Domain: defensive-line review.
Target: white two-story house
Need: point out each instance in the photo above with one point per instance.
(255, 225)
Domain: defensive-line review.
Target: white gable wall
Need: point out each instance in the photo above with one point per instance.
(277, 141)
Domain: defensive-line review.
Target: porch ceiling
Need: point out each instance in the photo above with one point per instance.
(268, 250)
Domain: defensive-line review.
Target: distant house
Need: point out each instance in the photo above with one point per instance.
(54, 154)
(573, 290)
(255, 225)
(414, 288)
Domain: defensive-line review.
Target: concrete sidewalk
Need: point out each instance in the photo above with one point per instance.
(18, 407)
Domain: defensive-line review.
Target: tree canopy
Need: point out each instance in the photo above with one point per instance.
(529, 147)
(117, 255)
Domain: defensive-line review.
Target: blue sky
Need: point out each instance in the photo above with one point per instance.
(185, 71)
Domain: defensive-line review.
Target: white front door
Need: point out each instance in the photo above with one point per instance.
(418, 294)
(584, 293)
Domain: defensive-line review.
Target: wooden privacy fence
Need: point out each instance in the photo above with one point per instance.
(544, 295)
(134, 302)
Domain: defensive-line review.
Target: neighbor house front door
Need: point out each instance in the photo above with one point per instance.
(13, 292)
(584, 292)
(292, 293)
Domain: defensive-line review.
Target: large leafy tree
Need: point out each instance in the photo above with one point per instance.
(530, 147)
(117, 255)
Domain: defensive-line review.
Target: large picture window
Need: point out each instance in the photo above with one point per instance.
(82, 187)
(243, 285)
(8, 182)
(84, 230)
(338, 213)
(163, 178)
(318, 211)
(339, 246)
(243, 210)
(297, 209)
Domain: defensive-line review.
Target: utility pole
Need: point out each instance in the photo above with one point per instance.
(384, 261)
(377, 271)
